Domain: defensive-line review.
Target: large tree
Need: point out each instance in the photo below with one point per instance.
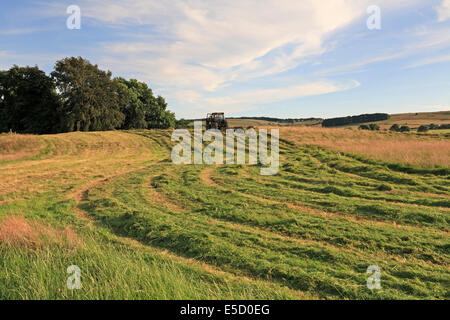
(28, 101)
(77, 97)
(141, 108)
(158, 116)
(91, 99)
(134, 97)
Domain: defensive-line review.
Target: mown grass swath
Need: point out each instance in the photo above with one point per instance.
(147, 228)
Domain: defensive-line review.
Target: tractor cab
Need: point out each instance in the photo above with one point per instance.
(216, 115)
(216, 120)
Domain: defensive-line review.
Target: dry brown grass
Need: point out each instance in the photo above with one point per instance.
(205, 177)
(398, 147)
(16, 146)
(73, 160)
(413, 120)
(17, 231)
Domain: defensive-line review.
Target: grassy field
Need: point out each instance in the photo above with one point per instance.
(418, 119)
(141, 227)
(425, 150)
(414, 120)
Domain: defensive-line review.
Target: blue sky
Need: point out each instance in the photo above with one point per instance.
(281, 58)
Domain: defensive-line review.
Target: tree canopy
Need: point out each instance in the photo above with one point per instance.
(28, 101)
(89, 96)
(141, 108)
(77, 96)
(335, 122)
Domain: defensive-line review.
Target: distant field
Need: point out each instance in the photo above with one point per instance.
(260, 123)
(140, 227)
(426, 150)
(415, 120)
(263, 123)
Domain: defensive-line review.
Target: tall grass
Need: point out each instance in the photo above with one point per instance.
(111, 271)
(393, 147)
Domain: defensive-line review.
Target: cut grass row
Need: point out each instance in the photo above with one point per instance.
(254, 245)
(321, 255)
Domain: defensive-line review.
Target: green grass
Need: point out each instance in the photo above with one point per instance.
(112, 270)
(162, 231)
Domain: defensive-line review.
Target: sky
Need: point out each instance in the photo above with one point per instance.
(276, 58)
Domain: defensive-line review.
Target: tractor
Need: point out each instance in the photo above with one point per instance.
(216, 120)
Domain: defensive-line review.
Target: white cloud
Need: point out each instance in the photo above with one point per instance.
(208, 44)
(428, 61)
(248, 100)
(19, 31)
(443, 11)
(432, 38)
(261, 37)
(358, 65)
(187, 96)
(420, 42)
(195, 47)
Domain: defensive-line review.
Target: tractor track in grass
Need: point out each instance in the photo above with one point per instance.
(363, 178)
(209, 268)
(243, 227)
(2, 202)
(268, 233)
(206, 176)
(264, 233)
(81, 195)
(160, 198)
(367, 198)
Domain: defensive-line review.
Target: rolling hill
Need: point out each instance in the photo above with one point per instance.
(413, 120)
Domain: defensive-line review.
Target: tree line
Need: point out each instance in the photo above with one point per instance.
(396, 128)
(335, 122)
(372, 127)
(423, 128)
(77, 96)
